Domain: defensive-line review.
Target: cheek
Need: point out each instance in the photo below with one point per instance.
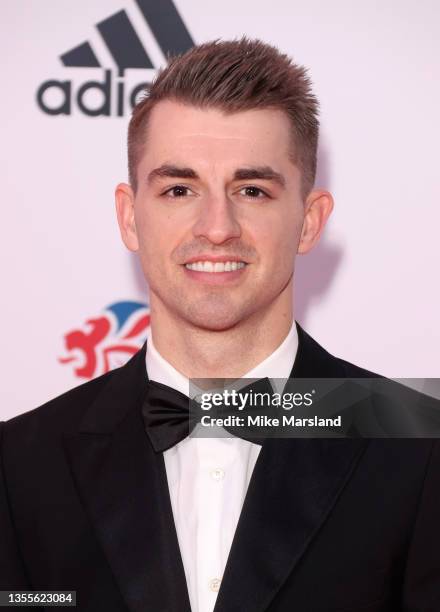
(158, 225)
(284, 253)
(279, 238)
(157, 242)
(291, 232)
(148, 229)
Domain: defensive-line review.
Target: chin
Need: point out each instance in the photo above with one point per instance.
(213, 319)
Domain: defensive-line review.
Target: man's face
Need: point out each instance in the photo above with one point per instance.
(218, 213)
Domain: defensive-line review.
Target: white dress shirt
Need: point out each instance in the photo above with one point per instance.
(208, 479)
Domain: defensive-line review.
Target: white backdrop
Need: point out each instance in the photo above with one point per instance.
(370, 293)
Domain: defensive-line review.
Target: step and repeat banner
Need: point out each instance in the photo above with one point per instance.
(74, 301)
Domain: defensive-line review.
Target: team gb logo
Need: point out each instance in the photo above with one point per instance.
(107, 341)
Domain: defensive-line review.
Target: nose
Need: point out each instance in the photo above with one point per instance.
(217, 220)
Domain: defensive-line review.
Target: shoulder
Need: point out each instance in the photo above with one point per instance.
(65, 412)
(313, 360)
(352, 370)
(106, 397)
(60, 413)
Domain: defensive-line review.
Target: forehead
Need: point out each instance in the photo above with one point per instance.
(180, 132)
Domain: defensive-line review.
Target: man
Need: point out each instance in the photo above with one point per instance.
(222, 159)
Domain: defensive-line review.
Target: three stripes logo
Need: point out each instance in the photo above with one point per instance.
(125, 47)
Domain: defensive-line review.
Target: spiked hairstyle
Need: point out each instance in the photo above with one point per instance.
(235, 76)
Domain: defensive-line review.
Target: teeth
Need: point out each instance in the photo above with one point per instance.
(218, 266)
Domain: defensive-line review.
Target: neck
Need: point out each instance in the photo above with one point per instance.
(229, 353)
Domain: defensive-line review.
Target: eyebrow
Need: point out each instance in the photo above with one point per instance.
(171, 171)
(265, 173)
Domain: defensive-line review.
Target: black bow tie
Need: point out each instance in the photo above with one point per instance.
(170, 416)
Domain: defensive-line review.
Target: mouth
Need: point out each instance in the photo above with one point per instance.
(215, 267)
(209, 272)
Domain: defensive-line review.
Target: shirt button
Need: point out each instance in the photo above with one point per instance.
(217, 474)
(214, 584)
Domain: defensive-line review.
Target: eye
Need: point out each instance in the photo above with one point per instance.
(177, 191)
(253, 192)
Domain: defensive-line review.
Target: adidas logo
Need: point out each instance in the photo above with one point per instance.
(110, 96)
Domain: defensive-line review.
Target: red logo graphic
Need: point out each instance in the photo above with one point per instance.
(106, 342)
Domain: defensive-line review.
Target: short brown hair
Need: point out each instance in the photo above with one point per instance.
(235, 76)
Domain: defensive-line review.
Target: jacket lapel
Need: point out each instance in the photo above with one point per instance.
(123, 486)
(293, 488)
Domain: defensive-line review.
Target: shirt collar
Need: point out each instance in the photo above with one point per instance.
(278, 365)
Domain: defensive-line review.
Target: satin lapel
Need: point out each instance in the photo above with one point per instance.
(293, 488)
(123, 486)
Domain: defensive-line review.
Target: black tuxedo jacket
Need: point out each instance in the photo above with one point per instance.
(328, 525)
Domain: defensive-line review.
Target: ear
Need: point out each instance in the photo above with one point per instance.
(318, 207)
(124, 197)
